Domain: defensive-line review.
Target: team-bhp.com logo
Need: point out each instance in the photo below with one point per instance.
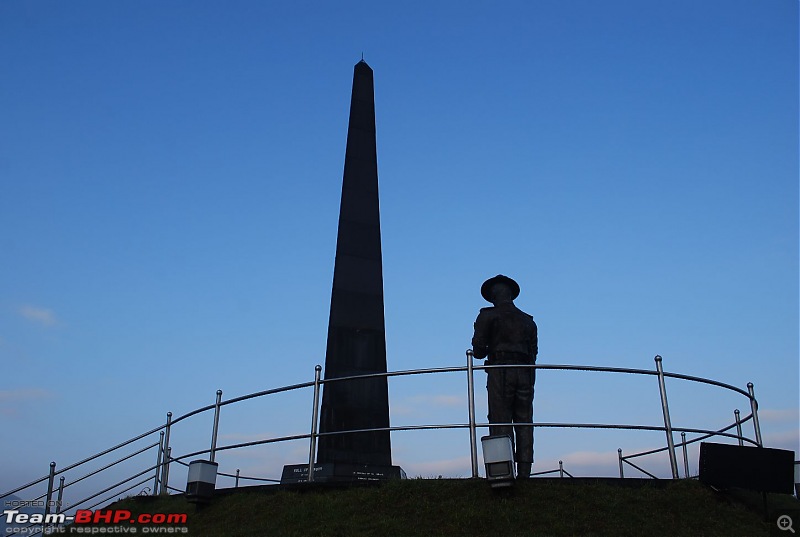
(96, 522)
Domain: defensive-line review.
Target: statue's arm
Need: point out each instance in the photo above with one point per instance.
(480, 338)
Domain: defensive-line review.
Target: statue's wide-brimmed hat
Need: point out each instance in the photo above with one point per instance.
(486, 288)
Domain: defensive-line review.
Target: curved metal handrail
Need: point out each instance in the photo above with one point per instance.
(161, 481)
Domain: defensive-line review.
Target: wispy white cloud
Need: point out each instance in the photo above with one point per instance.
(440, 400)
(422, 404)
(265, 461)
(43, 316)
(591, 458)
(581, 463)
(251, 437)
(23, 395)
(458, 467)
(783, 440)
(779, 414)
(578, 463)
(604, 464)
(10, 400)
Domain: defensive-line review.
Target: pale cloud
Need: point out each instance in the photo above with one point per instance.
(440, 400)
(396, 409)
(604, 463)
(11, 400)
(578, 463)
(422, 404)
(590, 458)
(23, 395)
(581, 463)
(43, 316)
(266, 461)
(779, 414)
(783, 440)
(237, 438)
(458, 467)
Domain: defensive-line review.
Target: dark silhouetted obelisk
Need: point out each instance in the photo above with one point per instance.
(356, 330)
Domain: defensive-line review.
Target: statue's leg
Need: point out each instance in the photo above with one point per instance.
(501, 402)
(523, 413)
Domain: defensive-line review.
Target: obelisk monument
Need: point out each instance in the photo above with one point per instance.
(356, 331)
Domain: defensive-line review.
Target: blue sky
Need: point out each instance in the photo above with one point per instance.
(170, 175)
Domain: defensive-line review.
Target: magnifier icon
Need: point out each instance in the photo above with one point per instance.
(785, 523)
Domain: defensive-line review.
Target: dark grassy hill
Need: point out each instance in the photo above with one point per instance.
(539, 507)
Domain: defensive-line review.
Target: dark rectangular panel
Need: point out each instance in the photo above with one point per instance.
(754, 468)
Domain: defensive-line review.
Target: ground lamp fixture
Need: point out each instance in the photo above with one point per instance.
(201, 481)
(498, 458)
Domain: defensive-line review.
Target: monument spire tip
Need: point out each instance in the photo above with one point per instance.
(362, 64)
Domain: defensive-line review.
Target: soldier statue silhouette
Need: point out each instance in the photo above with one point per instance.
(507, 336)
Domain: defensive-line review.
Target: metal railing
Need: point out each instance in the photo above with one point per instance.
(158, 473)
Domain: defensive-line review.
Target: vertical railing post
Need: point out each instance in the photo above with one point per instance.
(312, 448)
(159, 460)
(60, 500)
(673, 462)
(473, 442)
(50, 483)
(166, 456)
(561, 469)
(619, 454)
(165, 475)
(685, 457)
(237, 478)
(216, 427)
(737, 417)
(754, 408)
